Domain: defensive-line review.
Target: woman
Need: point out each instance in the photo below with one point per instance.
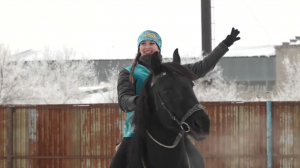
(131, 79)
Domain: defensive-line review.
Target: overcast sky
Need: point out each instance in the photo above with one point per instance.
(106, 29)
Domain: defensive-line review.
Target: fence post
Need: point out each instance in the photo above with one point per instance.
(9, 137)
(269, 134)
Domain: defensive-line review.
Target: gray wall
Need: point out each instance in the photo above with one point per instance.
(249, 68)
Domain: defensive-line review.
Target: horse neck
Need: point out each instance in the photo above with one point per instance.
(158, 156)
(159, 132)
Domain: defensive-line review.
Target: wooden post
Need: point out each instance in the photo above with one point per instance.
(206, 26)
(9, 137)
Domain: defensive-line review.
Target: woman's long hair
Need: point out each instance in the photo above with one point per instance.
(137, 57)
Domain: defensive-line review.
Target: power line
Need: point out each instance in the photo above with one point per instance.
(258, 21)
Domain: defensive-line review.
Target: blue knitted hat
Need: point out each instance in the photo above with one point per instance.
(149, 35)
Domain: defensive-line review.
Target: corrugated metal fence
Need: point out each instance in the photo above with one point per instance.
(60, 136)
(69, 136)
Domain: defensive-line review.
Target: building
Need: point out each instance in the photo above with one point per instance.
(255, 76)
(289, 50)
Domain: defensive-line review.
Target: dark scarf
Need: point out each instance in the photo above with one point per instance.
(146, 60)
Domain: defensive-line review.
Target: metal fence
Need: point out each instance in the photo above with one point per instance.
(243, 135)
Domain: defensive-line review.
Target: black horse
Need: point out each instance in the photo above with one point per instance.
(167, 110)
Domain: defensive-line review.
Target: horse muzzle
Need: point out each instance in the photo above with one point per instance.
(199, 127)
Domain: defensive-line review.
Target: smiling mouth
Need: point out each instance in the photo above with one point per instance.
(148, 52)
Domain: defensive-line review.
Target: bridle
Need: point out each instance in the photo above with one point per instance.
(183, 125)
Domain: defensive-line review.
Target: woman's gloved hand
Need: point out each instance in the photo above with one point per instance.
(230, 39)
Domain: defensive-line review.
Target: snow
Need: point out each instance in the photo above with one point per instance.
(102, 97)
(295, 43)
(245, 51)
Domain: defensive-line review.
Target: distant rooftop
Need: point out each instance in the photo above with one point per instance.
(293, 43)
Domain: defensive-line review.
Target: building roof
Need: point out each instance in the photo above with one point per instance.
(266, 50)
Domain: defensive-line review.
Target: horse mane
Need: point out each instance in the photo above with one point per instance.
(137, 147)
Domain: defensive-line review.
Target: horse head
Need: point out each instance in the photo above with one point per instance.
(174, 99)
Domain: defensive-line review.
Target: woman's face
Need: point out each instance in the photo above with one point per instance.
(148, 47)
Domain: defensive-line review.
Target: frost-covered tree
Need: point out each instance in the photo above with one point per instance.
(59, 77)
(213, 86)
(289, 90)
(15, 82)
(54, 79)
(112, 78)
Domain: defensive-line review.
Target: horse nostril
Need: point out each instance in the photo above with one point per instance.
(197, 124)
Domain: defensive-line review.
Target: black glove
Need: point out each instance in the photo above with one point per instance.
(230, 39)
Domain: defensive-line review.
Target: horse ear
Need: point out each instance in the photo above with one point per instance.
(155, 63)
(176, 57)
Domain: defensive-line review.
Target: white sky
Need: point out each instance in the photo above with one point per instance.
(107, 29)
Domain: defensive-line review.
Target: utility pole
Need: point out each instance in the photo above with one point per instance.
(206, 26)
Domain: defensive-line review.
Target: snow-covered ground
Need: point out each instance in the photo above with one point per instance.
(104, 93)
